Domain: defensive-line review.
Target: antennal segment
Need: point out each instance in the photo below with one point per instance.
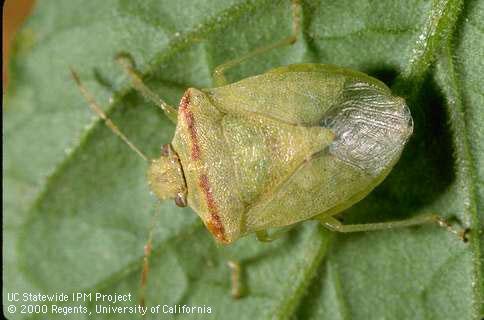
(95, 107)
(127, 63)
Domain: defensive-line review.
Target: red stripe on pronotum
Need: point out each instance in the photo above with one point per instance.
(190, 121)
(214, 224)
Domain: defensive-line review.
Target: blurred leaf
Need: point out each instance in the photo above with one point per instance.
(78, 210)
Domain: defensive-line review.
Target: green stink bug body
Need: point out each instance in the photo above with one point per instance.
(284, 146)
(299, 142)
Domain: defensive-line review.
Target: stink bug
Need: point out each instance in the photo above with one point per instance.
(299, 142)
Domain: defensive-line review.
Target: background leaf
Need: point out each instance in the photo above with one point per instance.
(77, 207)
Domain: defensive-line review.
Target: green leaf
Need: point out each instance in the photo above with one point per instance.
(78, 210)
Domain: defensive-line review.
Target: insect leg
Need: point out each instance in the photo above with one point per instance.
(218, 73)
(264, 236)
(97, 109)
(237, 288)
(126, 61)
(333, 224)
(236, 275)
(235, 279)
(145, 269)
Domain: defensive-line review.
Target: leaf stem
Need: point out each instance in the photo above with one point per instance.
(466, 171)
(439, 25)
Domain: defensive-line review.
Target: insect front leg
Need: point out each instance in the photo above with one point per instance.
(335, 225)
(235, 278)
(218, 73)
(236, 274)
(145, 269)
(127, 62)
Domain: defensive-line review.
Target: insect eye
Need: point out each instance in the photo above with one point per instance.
(166, 150)
(181, 200)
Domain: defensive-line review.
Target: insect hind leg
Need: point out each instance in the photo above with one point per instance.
(335, 225)
(219, 71)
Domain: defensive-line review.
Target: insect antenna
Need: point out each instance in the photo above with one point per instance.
(127, 63)
(97, 109)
